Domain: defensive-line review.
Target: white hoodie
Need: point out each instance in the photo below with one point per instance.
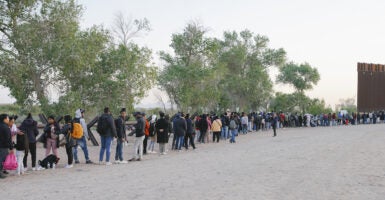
(78, 114)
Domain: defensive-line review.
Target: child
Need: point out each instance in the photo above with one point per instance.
(21, 144)
(52, 131)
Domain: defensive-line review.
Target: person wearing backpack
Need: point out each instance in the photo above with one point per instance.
(51, 132)
(121, 132)
(5, 141)
(233, 129)
(66, 131)
(81, 140)
(107, 132)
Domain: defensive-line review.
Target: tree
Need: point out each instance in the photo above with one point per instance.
(125, 28)
(246, 58)
(190, 77)
(302, 77)
(37, 47)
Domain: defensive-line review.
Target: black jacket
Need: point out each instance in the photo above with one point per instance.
(29, 127)
(190, 129)
(5, 136)
(180, 126)
(120, 128)
(110, 129)
(139, 127)
(162, 137)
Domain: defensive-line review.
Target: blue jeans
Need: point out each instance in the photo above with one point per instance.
(225, 132)
(83, 144)
(119, 150)
(179, 142)
(106, 147)
(244, 128)
(233, 132)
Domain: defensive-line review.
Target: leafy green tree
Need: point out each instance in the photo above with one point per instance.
(302, 77)
(190, 77)
(36, 36)
(246, 58)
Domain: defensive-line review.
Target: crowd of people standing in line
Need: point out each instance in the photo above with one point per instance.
(185, 129)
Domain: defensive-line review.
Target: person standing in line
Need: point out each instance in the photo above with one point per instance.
(21, 144)
(189, 139)
(120, 124)
(274, 124)
(233, 128)
(216, 128)
(152, 134)
(146, 133)
(107, 132)
(244, 122)
(51, 132)
(162, 129)
(139, 137)
(180, 127)
(203, 126)
(196, 126)
(208, 131)
(66, 131)
(29, 127)
(5, 141)
(82, 142)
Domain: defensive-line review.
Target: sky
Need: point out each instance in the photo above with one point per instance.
(330, 35)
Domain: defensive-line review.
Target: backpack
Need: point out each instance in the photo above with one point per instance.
(152, 129)
(233, 125)
(102, 125)
(77, 131)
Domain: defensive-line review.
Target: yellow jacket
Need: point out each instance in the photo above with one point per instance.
(216, 125)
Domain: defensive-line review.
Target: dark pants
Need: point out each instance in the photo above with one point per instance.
(275, 130)
(186, 140)
(216, 135)
(70, 155)
(145, 144)
(3, 155)
(32, 149)
(202, 136)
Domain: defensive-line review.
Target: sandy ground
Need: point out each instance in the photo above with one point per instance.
(306, 163)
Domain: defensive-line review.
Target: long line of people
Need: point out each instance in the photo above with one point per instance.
(185, 130)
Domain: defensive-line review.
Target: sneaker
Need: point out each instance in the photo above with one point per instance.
(69, 166)
(77, 162)
(33, 168)
(117, 162)
(100, 162)
(123, 162)
(108, 163)
(89, 162)
(40, 168)
(132, 159)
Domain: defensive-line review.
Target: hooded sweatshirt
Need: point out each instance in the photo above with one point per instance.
(29, 127)
(81, 121)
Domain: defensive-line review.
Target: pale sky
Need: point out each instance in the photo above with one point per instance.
(330, 35)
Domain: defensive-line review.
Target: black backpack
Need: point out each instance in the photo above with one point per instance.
(102, 125)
